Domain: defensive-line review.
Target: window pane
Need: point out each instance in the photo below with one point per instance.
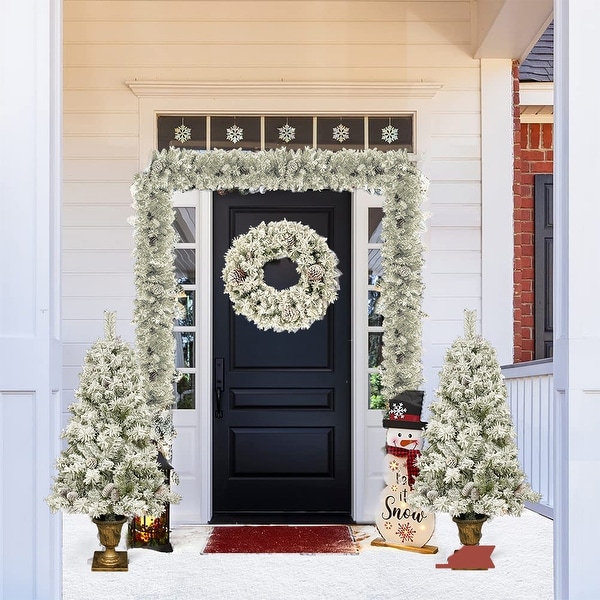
(185, 265)
(375, 399)
(297, 130)
(185, 391)
(185, 224)
(375, 218)
(225, 132)
(186, 299)
(375, 348)
(168, 128)
(350, 130)
(395, 133)
(184, 349)
(375, 266)
(375, 319)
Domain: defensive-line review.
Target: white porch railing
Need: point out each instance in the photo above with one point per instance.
(531, 402)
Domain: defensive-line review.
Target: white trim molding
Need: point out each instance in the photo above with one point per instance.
(283, 98)
(536, 101)
(291, 89)
(497, 205)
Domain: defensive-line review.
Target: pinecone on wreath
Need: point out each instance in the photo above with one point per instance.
(315, 272)
(289, 240)
(237, 275)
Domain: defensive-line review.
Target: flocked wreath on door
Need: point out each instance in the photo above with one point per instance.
(293, 308)
(390, 173)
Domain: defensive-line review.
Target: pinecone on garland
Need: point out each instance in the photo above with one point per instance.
(237, 276)
(157, 166)
(315, 273)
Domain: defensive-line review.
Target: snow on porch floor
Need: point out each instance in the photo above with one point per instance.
(522, 558)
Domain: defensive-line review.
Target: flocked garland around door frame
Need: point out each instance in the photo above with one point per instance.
(155, 305)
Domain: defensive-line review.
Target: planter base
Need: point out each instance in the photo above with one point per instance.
(469, 530)
(109, 533)
(119, 564)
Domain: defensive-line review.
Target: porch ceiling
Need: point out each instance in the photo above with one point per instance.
(509, 28)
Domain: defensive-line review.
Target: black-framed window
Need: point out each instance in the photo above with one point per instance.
(256, 132)
(543, 288)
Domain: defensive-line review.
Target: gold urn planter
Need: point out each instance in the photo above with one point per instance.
(109, 533)
(469, 530)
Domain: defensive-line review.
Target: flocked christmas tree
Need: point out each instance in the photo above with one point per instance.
(110, 467)
(469, 466)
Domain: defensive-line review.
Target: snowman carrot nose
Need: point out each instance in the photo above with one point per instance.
(404, 443)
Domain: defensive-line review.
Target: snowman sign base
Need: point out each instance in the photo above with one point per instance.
(426, 549)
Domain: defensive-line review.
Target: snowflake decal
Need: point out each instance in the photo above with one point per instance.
(287, 133)
(406, 532)
(394, 487)
(389, 134)
(183, 133)
(235, 134)
(341, 133)
(388, 525)
(394, 465)
(398, 411)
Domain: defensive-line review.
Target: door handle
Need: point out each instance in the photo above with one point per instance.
(219, 386)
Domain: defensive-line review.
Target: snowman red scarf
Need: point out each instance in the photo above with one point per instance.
(411, 458)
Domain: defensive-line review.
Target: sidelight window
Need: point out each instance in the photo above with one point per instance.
(185, 329)
(375, 319)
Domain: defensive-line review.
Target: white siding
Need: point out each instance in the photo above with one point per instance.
(108, 43)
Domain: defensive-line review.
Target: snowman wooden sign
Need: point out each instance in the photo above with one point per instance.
(400, 525)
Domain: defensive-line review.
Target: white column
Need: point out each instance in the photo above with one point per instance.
(576, 298)
(30, 354)
(497, 206)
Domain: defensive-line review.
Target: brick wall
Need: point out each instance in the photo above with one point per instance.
(533, 151)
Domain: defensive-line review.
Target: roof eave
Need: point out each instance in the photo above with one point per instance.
(510, 28)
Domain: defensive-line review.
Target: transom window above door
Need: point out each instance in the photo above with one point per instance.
(263, 132)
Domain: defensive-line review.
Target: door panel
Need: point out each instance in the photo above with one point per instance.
(282, 449)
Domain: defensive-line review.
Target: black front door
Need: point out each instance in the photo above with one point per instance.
(281, 441)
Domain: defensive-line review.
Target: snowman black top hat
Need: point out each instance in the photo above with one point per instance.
(405, 411)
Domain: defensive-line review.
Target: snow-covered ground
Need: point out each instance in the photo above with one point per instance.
(522, 558)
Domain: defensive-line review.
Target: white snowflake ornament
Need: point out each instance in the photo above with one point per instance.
(287, 133)
(235, 134)
(341, 133)
(183, 133)
(389, 134)
(398, 411)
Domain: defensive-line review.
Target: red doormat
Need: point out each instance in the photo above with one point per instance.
(281, 539)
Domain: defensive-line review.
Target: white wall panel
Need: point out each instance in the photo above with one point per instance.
(100, 284)
(99, 146)
(105, 124)
(448, 238)
(97, 261)
(79, 308)
(89, 169)
(455, 192)
(455, 215)
(81, 192)
(101, 215)
(467, 261)
(118, 237)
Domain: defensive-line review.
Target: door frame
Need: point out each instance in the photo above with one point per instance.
(359, 377)
(363, 420)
